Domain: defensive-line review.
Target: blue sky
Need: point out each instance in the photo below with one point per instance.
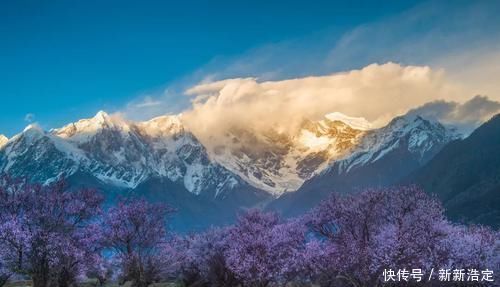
(65, 60)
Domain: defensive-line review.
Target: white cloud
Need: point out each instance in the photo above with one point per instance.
(465, 116)
(151, 105)
(476, 70)
(147, 102)
(446, 54)
(376, 92)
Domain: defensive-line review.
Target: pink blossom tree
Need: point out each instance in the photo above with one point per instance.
(472, 247)
(203, 261)
(411, 233)
(46, 232)
(263, 250)
(134, 230)
(349, 225)
(53, 235)
(360, 235)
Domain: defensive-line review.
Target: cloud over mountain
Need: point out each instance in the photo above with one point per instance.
(466, 116)
(377, 92)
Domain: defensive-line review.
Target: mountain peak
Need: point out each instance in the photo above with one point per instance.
(32, 132)
(101, 117)
(409, 122)
(3, 140)
(162, 126)
(358, 123)
(33, 128)
(88, 127)
(410, 133)
(103, 120)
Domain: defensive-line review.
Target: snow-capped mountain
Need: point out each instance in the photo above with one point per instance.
(162, 160)
(118, 153)
(382, 157)
(156, 159)
(38, 155)
(280, 161)
(125, 154)
(421, 138)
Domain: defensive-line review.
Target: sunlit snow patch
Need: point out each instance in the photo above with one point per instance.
(355, 123)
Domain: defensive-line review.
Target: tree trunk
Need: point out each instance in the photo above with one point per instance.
(40, 274)
(40, 280)
(3, 279)
(65, 278)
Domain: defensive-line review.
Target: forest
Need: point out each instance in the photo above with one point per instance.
(53, 235)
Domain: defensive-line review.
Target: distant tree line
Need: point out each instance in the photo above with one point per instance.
(55, 236)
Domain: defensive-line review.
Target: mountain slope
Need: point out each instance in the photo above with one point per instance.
(3, 140)
(382, 158)
(125, 154)
(161, 160)
(280, 161)
(118, 153)
(158, 159)
(39, 156)
(193, 212)
(465, 175)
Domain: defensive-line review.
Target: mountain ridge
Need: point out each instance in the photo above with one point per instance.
(118, 152)
(465, 175)
(162, 160)
(382, 158)
(280, 162)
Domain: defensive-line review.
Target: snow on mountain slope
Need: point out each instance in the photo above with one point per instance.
(178, 154)
(38, 154)
(382, 157)
(126, 154)
(411, 132)
(114, 152)
(3, 140)
(280, 162)
(85, 129)
(117, 152)
(355, 123)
